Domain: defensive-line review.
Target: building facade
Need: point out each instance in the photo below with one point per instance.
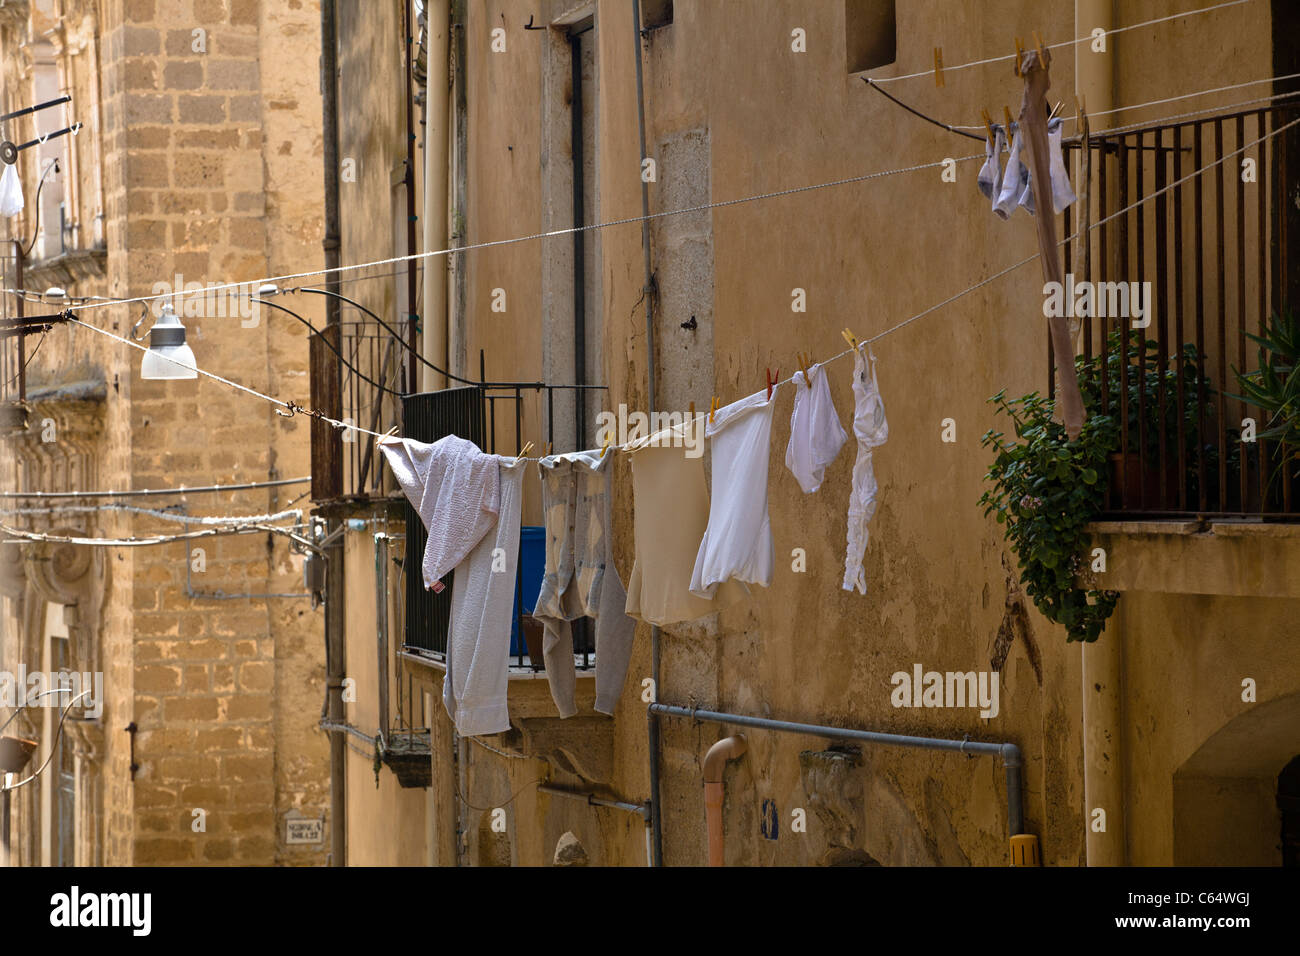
(196, 162)
(1168, 741)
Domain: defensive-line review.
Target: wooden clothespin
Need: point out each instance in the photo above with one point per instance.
(604, 448)
(713, 407)
(386, 435)
(803, 360)
(1020, 54)
(692, 412)
(1006, 114)
(1042, 53)
(850, 338)
(938, 66)
(548, 450)
(1055, 109)
(528, 446)
(988, 125)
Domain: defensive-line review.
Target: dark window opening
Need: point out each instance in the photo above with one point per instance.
(870, 34)
(656, 13)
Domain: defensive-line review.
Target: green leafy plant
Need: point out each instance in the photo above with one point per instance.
(1274, 387)
(1045, 490)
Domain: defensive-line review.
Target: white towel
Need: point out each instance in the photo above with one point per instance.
(482, 607)
(454, 488)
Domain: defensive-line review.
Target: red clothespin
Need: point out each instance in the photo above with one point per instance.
(771, 381)
(938, 66)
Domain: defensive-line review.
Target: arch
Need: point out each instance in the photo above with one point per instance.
(1226, 793)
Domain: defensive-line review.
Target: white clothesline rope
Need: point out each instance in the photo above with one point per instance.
(140, 492)
(294, 407)
(554, 233)
(99, 302)
(205, 520)
(19, 535)
(1174, 99)
(1062, 43)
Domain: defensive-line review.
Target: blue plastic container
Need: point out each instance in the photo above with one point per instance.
(532, 565)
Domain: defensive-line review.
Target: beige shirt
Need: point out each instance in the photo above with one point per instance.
(671, 515)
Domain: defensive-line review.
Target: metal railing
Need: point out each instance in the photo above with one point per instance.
(357, 370)
(1214, 251)
(476, 413)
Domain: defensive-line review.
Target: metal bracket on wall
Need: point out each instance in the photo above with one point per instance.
(131, 728)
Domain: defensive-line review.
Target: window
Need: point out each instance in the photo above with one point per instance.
(870, 34)
(656, 13)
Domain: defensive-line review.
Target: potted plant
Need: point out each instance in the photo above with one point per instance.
(1046, 489)
(1274, 387)
(1146, 395)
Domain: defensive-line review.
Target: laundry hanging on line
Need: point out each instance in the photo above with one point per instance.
(1012, 186)
(737, 543)
(693, 556)
(470, 503)
(816, 435)
(580, 579)
(871, 429)
(670, 517)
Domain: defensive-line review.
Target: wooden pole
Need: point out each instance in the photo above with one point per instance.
(1033, 124)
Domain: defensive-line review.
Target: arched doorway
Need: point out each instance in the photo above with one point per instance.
(1236, 799)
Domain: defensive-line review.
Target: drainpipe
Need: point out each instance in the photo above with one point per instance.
(656, 817)
(433, 342)
(1024, 847)
(728, 748)
(1103, 763)
(334, 578)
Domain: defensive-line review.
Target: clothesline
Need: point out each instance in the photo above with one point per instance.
(294, 407)
(208, 520)
(554, 233)
(1173, 99)
(19, 535)
(1064, 43)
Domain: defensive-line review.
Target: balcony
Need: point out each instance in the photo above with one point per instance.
(1214, 250)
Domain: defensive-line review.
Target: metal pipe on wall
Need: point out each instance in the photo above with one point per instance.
(433, 341)
(1009, 752)
(334, 578)
(640, 809)
(1102, 664)
(656, 822)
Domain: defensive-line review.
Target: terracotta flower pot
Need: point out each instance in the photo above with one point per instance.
(1135, 486)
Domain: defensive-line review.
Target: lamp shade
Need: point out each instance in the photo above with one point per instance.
(14, 753)
(168, 356)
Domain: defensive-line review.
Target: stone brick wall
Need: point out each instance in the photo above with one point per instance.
(208, 113)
